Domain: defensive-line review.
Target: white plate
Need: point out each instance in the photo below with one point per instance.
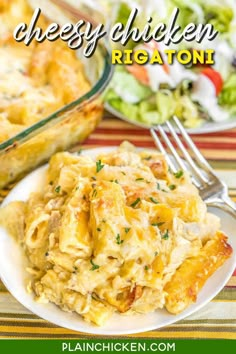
(13, 274)
(208, 127)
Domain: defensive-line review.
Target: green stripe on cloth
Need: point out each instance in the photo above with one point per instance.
(227, 294)
(223, 165)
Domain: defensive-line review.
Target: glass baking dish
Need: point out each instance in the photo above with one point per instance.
(61, 130)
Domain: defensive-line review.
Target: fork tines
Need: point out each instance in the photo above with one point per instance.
(202, 173)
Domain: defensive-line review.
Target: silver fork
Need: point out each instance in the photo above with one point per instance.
(211, 189)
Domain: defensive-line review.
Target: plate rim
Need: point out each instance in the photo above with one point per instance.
(99, 330)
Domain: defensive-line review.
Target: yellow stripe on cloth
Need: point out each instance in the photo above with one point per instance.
(186, 335)
(24, 332)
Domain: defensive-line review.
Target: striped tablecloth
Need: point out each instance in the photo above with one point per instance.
(215, 320)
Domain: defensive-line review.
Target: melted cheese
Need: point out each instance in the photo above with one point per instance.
(110, 230)
(32, 79)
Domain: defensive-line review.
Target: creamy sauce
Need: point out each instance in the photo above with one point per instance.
(175, 75)
(204, 93)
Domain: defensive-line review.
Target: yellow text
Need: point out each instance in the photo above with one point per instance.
(142, 57)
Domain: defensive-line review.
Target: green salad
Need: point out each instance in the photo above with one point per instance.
(152, 94)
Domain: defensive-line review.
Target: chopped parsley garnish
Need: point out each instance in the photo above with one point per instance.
(179, 174)
(99, 166)
(94, 178)
(148, 158)
(118, 240)
(94, 193)
(98, 229)
(79, 151)
(154, 200)
(127, 229)
(156, 253)
(135, 203)
(158, 186)
(94, 297)
(58, 189)
(114, 181)
(75, 268)
(94, 266)
(146, 267)
(123, 173)
(139, 179)
(172, 187)
(165, 236)
(103, 220)
(158, 224)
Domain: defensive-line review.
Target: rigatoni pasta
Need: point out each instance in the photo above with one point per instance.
(117, 233)
(35, 80)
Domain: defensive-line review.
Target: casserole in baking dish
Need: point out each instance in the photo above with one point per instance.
(49, 99)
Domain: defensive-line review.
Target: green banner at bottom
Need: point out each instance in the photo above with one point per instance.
(116, 346)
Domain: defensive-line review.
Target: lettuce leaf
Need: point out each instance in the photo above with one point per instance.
(158, 109)
(218, 13)
(138, 103)
(128, 88)
(219, 16)
(166, 104)
(148, 113)
(186, 14)
(227, 97)
(123, 13)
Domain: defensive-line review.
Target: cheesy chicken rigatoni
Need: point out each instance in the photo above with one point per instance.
(35, 80)
(117, 233)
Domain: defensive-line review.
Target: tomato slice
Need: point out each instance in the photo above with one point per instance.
(215, 78)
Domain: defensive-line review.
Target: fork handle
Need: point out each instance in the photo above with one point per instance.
(224, 203)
